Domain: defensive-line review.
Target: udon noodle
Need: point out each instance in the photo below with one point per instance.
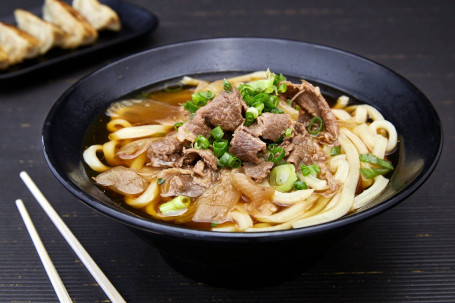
(305, 164)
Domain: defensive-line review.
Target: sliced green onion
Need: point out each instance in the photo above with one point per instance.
(160, 181)
(217, 133)
(297, 107)
(201, 142)
(317, 121)
(282, 88)
(276, 110)
(335, 150)
(220, 147)
(283, 177)
(272, 101)
(288, 132)
(369, 158)
(288, 101)
(228, 160)
(310, 170)
(214, 224)
(251, 115)
(299, 185)
(276, 154)
(259, 107)
(178, 203)
(177, 125)
(202, 98)
(190, 106)
(173, 87)
(371, 173)
(227, 86)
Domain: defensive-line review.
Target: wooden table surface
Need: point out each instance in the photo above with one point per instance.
(405, 254)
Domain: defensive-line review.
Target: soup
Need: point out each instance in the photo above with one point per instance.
(249, 153)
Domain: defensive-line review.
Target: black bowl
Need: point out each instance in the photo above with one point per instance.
(239, 258)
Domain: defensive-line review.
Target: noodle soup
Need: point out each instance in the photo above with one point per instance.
(249, 153)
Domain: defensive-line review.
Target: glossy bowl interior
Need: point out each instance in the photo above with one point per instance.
(204, 254)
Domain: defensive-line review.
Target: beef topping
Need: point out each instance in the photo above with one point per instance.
(258, 172)
(192, 128)
(179, 182)
(225, 110)
(122, 180)
(272, 126)
(246, 145)
(310, 99)
(205, 154)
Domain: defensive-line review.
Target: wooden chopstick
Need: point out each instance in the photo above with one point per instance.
(56, 282)
(80, 251)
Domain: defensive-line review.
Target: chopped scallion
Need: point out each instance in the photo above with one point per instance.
(335, 150)
(276, 154)
(190, 106)
(220, 147)
(160, 180)
(288, 132)
(214, 224)
(369, 158)
(371, 173)
(315, 121)
(283, 177)
(310, 170)
(202, 98)
(178, 203)
(299, 185)
(227, 86)
(177, 125)
(228, 160)
(201, 142)
(217, 133)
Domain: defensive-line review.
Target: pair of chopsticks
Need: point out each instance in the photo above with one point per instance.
(85, 258)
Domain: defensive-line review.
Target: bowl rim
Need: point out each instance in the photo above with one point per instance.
(163, 228)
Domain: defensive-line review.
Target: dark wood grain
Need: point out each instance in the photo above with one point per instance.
(406, 254)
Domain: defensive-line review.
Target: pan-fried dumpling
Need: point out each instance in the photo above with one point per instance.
(4, 59)
(47, 33)
(100, 16)
(79, 31)
(18, 44)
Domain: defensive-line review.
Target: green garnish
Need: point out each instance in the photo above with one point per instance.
(283, 177)
(160, 181)
(177, 125)
(220, 147)
(201, 98)
(227, 86)
(178, 203)
(276, 154)
(288, 132)
(369, 158)
(310, 170)
(335, 150)
(190, 106)
(217, 133)
(371, 173)
(299, 185)
(251, 115)
(297, 107)
(214, 223)
(317, 121)
(228, 160)
(201, 142)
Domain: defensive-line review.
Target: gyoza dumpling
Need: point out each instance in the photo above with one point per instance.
(18, 44)
(4, 59)
(47, 33)
(100, 16)
(77, 29)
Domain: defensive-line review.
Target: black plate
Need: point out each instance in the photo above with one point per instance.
(198, 253)
(135, 22)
